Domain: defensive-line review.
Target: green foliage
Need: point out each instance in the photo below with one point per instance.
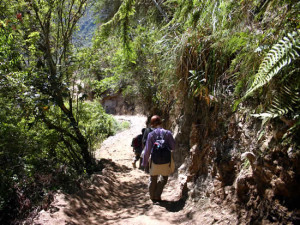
(286, 101)
(197, 83)
(110, 85)
(47, 132)
(280, 66)
(124, 125)
(23, 153)
(30, 151)
(10, 57)
(205, 45)
(125, 12)
(213, 38)
(95, 123)
(281, 55)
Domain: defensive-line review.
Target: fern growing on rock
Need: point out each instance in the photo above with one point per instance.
(287, 100)
(281, 55)
(280, 63)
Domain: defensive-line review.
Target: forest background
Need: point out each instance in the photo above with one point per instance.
(175, 58)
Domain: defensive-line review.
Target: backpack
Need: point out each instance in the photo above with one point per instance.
(160, 152)
(136, 142)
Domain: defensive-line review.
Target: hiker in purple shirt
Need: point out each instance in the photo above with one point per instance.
(157, 183)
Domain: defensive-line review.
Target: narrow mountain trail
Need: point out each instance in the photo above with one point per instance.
(118, 194)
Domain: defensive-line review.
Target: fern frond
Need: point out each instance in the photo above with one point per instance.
(281, 55)
(285, 101)
(288, 100)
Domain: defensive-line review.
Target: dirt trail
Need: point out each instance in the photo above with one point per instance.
(117, 195)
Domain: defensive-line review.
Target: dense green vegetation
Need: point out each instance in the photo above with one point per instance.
(153, 51)
(249, 48)
(245, 53)
(48, 131)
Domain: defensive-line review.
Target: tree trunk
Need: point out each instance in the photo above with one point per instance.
(55, 76)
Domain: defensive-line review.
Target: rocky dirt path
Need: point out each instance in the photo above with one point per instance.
(117, 195)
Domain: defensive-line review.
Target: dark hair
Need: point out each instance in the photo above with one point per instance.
(155, 120)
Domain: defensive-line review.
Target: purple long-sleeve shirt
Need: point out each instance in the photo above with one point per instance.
(168, 137)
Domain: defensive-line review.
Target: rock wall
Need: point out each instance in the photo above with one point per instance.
(116, 104)
(227, 157)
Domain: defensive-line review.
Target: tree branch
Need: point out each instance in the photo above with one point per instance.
(57, 128)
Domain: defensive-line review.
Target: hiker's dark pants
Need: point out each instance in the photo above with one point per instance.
(156, 186)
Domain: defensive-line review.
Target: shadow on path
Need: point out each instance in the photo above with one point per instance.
(173, 206)
(113, 196)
